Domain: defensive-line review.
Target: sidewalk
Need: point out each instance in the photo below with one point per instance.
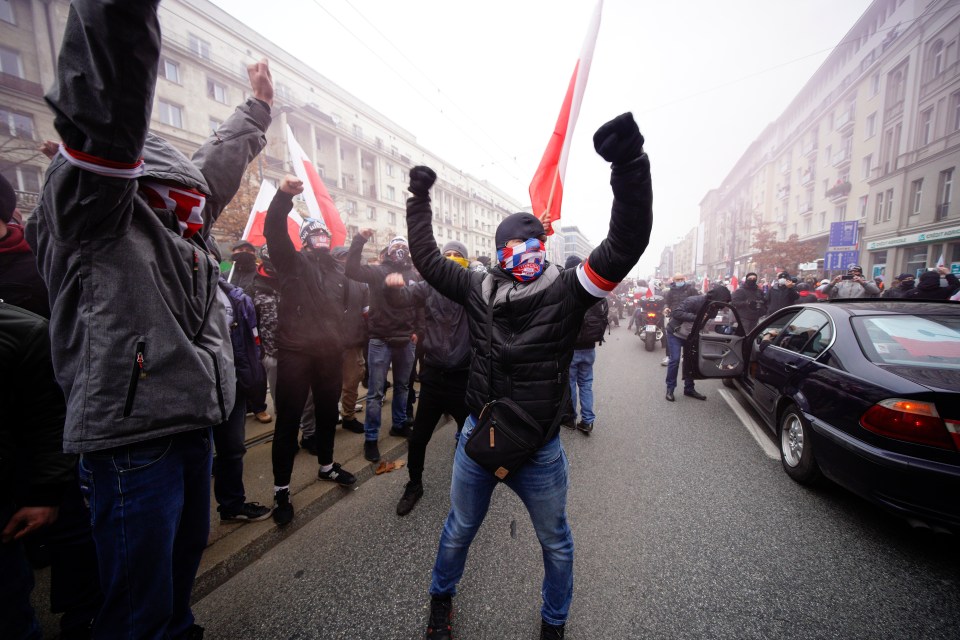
(233, 546)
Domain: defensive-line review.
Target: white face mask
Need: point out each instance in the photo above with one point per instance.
(782, 282)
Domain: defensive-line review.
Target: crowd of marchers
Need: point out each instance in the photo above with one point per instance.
(128, 358)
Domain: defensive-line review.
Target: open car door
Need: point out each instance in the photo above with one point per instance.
(715, 348)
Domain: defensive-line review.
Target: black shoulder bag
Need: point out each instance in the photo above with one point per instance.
(505, 436)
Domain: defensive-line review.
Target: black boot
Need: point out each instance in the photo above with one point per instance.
(550, 631)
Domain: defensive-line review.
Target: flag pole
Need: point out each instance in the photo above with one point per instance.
(545, 216)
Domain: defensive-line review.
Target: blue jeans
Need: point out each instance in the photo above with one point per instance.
(675, 346)
(380, 355)
(150, 512)
(581, 375)
(542, 486)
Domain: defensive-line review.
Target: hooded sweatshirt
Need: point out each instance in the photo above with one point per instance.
(396, 320)
(928, 287)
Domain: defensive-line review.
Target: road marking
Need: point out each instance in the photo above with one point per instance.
(755, 429)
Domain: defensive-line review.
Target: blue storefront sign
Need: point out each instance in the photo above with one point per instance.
(840, 260)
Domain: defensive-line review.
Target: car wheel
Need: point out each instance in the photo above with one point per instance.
(796, 447)
(728, 383)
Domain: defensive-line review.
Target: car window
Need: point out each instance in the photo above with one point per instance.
(924, 341)
(805, 333)
(721, 319)
(771, 331)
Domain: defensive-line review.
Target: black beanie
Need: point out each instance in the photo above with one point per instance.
(571, 262)
(8, 200)
(929, 280)
(522, 226)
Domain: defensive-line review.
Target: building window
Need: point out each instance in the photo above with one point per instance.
(839, 213)
(170, 114)
(956, 111)
(944, 193)
(865, 167)
(6, 12)
(23, 178)
(871, 125)
(390, 169)
(371, 213)
(936, 59)
(392, 217)
(216, 91)
(170, 70)
(888, 212)
(916, 195)
(878, 211)
(358, 131)
(214, 124)
(200, 48)
(875, 84)
(926, 126)
(862, 206)
(916, 260)
(823, 220)
(283, 91)
(10, 62)
(18, 125)
(391, 193)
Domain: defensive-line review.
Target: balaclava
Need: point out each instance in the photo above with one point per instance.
(398, 251)
(314, 235)
(748, 283)
(523, 261)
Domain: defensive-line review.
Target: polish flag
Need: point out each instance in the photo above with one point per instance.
(940, 261)
(253, 233)
(319, 203)
(546, 188)
(734, 282)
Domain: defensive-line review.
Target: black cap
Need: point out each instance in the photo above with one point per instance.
(243, 244)
(522, 226)
(571, 262)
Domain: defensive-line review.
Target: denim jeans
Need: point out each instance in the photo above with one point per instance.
(581, 375)
(228, 439)
(379, 357)
(150, 513)
(542, 486)
(675, 346)
(17, 618)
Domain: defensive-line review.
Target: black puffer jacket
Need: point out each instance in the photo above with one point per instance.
(675, 295)
(535, 323)
(313, 294)
(384, 320)
(34, 471)
(446, 334)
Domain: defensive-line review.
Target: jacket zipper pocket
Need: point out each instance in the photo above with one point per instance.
(216, 372)
(138, 373)
(196, 270)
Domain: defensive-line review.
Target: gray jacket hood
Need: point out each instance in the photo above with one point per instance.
(162, 161)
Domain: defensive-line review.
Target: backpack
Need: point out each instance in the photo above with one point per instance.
(244, 338)
(595, 323)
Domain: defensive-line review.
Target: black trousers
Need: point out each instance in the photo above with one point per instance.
(297, 373)
(440, 392)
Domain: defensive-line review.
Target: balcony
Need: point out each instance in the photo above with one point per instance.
(9, 81)
(785, 167)
(809, 149)
(943, 209)
(805, 208)
(845, 121)
(783, 193)
(807, 177)
(839, 191)
(840, 158)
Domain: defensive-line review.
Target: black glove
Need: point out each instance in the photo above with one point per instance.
(421, 179)
(619, 141)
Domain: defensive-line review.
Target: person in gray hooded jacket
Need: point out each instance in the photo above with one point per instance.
(140, 344)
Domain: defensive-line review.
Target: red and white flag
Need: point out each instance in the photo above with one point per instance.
(546, 188)
(319, 203)
(940, 261)
(253, 232)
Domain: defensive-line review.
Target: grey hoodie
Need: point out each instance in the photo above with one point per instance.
(139, 337)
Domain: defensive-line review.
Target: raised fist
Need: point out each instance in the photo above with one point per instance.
(421, 179)
(292, 185)
(619, 141)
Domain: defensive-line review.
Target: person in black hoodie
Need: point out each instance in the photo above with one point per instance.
(749, 302)
(313, 303)
(905, 282)
(20, 281)
(928, 288)
(392, 338)
(446, 362)
(524, 317)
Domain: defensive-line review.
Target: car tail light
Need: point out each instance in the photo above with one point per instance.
(911, 421)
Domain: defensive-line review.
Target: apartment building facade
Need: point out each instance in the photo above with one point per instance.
(363, 157)
(575, 243)
(872, 138)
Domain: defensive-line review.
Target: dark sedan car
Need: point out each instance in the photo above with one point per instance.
(864, 392)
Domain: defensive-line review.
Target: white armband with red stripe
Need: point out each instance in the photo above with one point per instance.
(595, 284)
(102, 166)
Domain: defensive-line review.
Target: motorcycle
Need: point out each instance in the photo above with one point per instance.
(650, 326)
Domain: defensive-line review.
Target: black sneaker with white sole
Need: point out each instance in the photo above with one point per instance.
(247, 512)
(337, 474)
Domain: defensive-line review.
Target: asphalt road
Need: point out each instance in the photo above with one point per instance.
(683, 528)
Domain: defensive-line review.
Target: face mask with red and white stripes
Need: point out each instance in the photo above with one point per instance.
(187, 204)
